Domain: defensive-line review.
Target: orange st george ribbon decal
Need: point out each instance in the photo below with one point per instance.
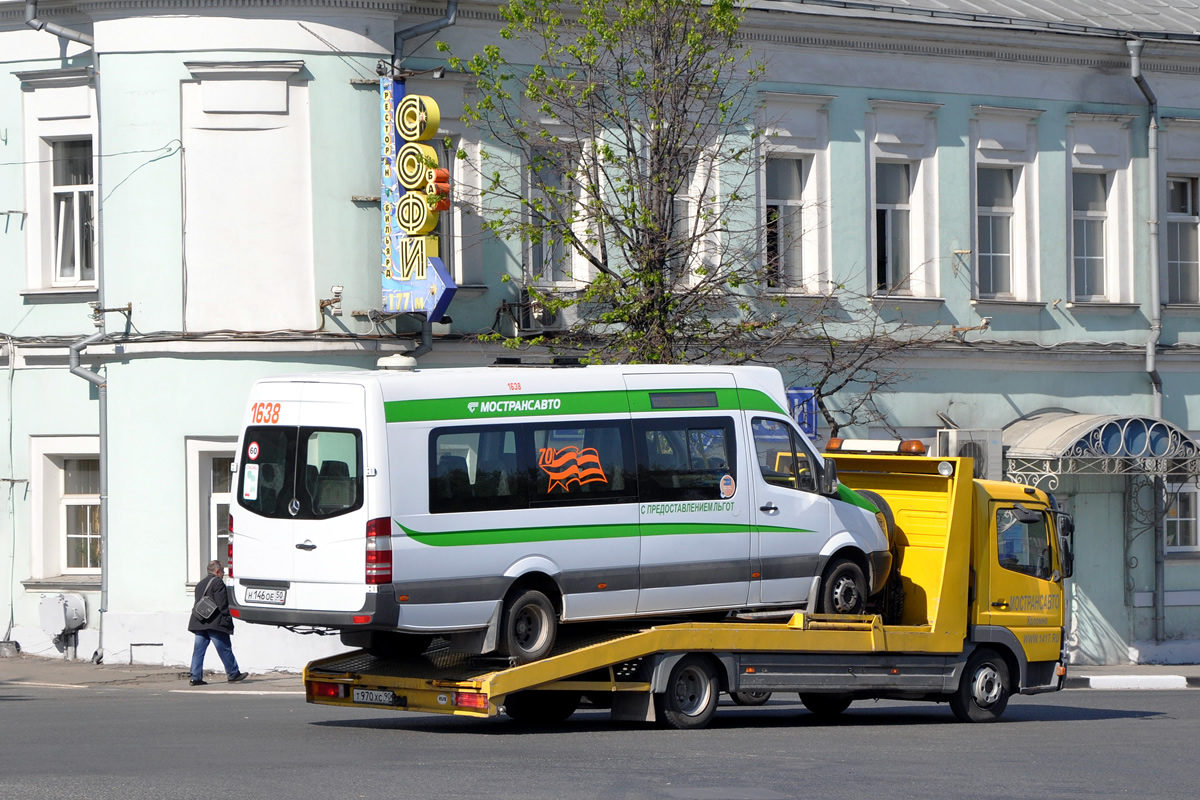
(570, 465)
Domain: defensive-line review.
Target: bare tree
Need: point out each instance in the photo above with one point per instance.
(622, 145)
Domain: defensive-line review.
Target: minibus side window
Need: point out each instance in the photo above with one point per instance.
(685, 458)
(782, 459)
(476, 468)
(582, 464)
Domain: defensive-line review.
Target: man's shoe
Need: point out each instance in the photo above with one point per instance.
(241, 676)
(195, 682)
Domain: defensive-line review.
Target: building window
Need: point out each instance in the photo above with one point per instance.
(72, 190)
(448, 224)
(209, 498)
(784, 222)
(1089, 193)
(1183, 256)
(81, 514)
(552, 201)
(893, 191)
(994, 246)
(220, 481)
(60, 129)
(1179, 527)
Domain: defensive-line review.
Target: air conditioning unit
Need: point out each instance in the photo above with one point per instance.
(985, 445)
(534, 318)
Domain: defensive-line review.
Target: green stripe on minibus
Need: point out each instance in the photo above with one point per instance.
(555, 533)
(561, 404)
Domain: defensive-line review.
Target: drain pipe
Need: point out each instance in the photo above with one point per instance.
(432, 26)
(31, 19)
(102, 390)
(1135, 67)
(1160, 557)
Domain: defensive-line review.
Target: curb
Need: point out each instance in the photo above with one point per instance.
(1133, 682)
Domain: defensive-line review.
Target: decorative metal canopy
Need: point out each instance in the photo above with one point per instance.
(1045, 445)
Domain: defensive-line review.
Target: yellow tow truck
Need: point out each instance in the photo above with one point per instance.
(974, 614)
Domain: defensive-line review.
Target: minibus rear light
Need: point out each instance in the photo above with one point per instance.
(361, 619)
(379, 551)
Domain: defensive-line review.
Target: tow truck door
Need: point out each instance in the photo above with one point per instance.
(1021, 588)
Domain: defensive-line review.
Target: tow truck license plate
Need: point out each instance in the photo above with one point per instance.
(273, 596)
(376, 697)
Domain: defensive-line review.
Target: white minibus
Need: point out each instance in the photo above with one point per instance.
(488, 505)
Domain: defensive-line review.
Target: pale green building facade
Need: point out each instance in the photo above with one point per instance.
(204, 182)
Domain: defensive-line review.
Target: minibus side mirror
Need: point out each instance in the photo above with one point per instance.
(829, 478)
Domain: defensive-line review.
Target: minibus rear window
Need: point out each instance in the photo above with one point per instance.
(300, 473)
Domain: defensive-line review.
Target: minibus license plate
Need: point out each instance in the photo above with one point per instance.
(375, 697)
(272, 596)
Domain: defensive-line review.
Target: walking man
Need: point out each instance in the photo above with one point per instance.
(215, 628)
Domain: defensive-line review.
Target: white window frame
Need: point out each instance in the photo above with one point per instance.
(565, 256)
(77, 500)
(1006, 138)
(906, 132)
(1175, 491)
(986, 216)
(698, 197)
(60, 105)
(886, 257)
(796, 126)
(1190, 218)
(1101, 143)
(787, 274)
(48, 516)
(1079, 253)
(200, 452)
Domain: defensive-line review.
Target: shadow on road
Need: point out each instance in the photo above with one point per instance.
(860, 716)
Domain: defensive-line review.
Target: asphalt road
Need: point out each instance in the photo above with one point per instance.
(171, 743)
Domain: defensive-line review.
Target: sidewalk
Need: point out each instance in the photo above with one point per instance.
(25, 670)
(34, 670)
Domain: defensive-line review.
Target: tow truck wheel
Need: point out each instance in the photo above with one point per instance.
(983, 691)
(541, 708)
(844, 588)
(691, 696)
(825, 705)
(750, 698)
(528, 626)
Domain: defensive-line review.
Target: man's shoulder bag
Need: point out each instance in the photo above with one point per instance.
(206, 607)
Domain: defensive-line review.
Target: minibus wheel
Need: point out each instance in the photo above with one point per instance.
(844, 588)
(528, 626)
(691, 696)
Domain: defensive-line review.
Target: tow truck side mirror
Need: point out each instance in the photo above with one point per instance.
(829, 478)
(1066, 542)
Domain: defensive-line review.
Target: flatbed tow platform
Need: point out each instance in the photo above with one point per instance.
(973, 630)
(625, 666)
